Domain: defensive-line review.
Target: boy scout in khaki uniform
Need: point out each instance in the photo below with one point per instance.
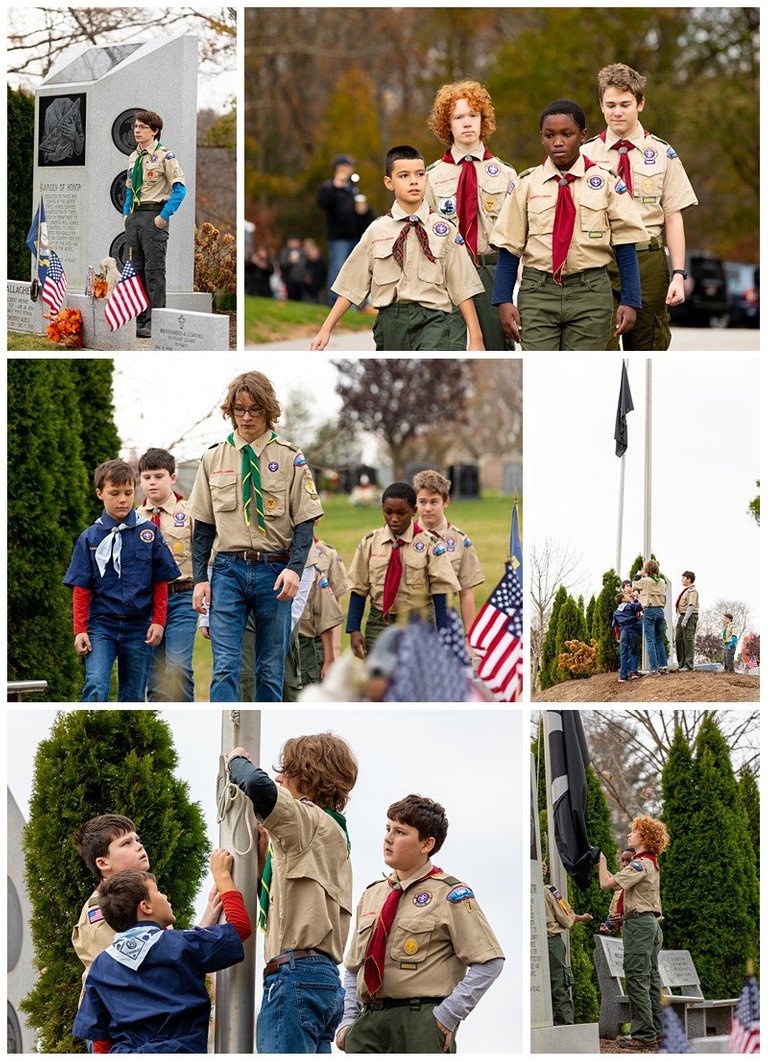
(422, 952)
(426, 575)
(468, 186)
(414, 266)
(155, 188)
(659, 185)
(255, 504)
(560, 917)
(306, 888)
(565, 218)
(641, 931)
(687, 609)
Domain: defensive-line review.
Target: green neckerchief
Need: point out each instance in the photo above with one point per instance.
(266, 877)
(137, 176)
(251, 477)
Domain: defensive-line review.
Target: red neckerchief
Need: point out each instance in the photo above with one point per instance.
(649, 855)
(398, 247)
(466, 197)
(565, 219)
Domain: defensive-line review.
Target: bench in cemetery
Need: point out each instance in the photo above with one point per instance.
(16, 690)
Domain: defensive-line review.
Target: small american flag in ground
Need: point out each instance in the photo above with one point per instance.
(425, 669)
(745, 1027)
(128, 298)
(497, 635)
(673, 1039)
(55, 284)
(453, 639)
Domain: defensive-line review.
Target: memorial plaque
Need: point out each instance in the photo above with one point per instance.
(64, 206)
(122, 130)
(61, 131)
(23, 314)
(172, 330)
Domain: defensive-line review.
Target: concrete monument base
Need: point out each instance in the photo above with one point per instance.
(96, 333)
(565, 1040)
(198, 301)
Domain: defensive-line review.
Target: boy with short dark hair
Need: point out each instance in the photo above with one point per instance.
(413, 265)
(119, 573)
(687, 609)
(170, 672)
(615, 915)
(399, 569)
(422, 954)
(306, 888)
(730, 638)
(659, 186)
(432, 498)
(626, 619)
(146, 993)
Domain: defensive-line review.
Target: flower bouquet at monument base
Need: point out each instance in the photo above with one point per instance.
(67, 328)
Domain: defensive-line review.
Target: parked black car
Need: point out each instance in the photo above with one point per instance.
(744, 293)
(706, 292)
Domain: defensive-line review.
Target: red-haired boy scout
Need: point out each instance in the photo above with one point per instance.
(468, 185)
(659, 185)
(155, 190)
(255, 505)
(422, 953)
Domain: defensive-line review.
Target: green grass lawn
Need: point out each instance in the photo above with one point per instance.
(486, 520)
(28, 341)
(272, 320)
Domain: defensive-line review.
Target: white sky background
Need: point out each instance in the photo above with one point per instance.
(706, 449)
(475, 762)
(215, 87)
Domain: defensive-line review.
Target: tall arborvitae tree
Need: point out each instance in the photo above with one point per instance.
(47, 494)
(712, 909)
(548, 668)
(570, 627)
(678, 866)
(602, 623)
(96, 762)
(100, 441)
(20, 160)
(588, 618)
(749, 791)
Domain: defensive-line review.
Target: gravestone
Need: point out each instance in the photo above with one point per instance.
(96, 331)
(172, 330)
(23, 314)
(84, 111)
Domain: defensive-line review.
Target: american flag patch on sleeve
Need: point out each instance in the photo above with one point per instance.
(95, 915)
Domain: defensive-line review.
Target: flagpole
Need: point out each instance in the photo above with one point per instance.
(557, 875)
(648, 458)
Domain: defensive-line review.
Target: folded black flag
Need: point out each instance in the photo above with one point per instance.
(568, 761)
(625, 406)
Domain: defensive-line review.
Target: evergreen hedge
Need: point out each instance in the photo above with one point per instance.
(21, 141)
(548, 665)
(602, 623)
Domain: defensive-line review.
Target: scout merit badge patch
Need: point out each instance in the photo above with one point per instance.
(148, 535)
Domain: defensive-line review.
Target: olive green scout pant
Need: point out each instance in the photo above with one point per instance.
(560, 982)
(303, 665)
(374, 626)
(651, 331)
(148, 245)
(408, 1029)
(574, 315)
(487, 314)
(685, 638)
(410, 326)
(642, 942)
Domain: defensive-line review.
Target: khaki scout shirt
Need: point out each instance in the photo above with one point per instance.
(461, 554)
(605, 218)
(559, 917)
(329, 585)
(371, 269)
(290, 495)
(426, 568)
(438, 931)
(653, 592)
(494, 180)
(310, 897)
(689, 596)
(660, 185)
(161, 172)
(91, 935)
(640, 882)
(176, 528)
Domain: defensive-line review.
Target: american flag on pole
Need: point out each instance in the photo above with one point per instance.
(128, 298)
(496, 633)
(745, 1027)
(673, 1040)
(55, 283)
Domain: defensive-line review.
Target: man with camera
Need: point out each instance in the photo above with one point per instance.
(348, 215)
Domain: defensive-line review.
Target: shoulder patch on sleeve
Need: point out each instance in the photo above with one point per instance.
(95, 915)
(170, 155)
(299, 459)
(461, 892)
(671, 153)
(636, 865)
(450, 881)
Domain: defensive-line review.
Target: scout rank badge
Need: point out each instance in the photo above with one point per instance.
(411, 946)
(270, 502)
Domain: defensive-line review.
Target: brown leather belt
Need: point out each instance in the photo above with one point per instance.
(180, 586)
(256, 556)
(300, 953)
(155, 207)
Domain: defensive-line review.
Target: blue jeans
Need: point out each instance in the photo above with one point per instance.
(170, 672)
(301, 1008)
(338, 252)
(654, 628)
(237, 587)
(629, 643)
(122, 640)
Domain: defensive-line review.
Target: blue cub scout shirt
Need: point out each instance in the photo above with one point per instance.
(145, 560)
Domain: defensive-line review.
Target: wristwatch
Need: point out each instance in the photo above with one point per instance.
(682, 273)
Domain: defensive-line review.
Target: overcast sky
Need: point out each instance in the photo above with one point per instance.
(474, 762)
(706, 445)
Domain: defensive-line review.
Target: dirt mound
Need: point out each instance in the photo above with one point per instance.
(707, 686)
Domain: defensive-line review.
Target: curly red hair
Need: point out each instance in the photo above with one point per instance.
(476, 95)
(653, 832)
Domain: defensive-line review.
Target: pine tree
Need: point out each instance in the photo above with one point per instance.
(582, 619)
(20, 160)
(47, 493)
(749, 792)
(92, 378)
(678, 867)
(588, 618)
(548, 666)
(98, 761)
(570, 626)
(602, 623)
